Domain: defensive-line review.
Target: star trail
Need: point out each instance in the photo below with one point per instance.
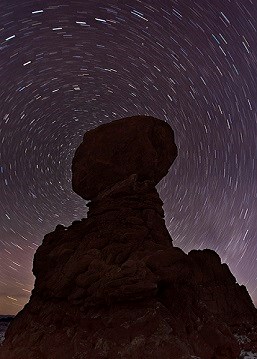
(67, 67)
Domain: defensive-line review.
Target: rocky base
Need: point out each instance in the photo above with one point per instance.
(144, 329)
(113, 286)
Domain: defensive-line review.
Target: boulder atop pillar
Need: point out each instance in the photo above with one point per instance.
(110, 153)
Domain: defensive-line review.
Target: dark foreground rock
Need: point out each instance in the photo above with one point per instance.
(113, 285)
(4, 322)
(112, 152)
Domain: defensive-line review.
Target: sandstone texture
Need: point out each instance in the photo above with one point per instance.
(113, 285)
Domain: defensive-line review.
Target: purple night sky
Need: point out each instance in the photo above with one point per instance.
(68, 66)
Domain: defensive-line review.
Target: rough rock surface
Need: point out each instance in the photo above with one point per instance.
(113, 285)
(141, 145)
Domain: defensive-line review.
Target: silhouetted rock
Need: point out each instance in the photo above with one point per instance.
(113, 285)
(140, 145)
(6, 319)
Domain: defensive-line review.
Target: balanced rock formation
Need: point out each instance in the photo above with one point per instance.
(113, 285)
(113, 152)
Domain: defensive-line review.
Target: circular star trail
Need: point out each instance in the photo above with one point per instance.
(67, 67)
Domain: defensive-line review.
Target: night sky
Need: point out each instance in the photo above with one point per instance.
(68, 66)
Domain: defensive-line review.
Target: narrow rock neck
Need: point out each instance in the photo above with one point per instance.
(128, 194)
